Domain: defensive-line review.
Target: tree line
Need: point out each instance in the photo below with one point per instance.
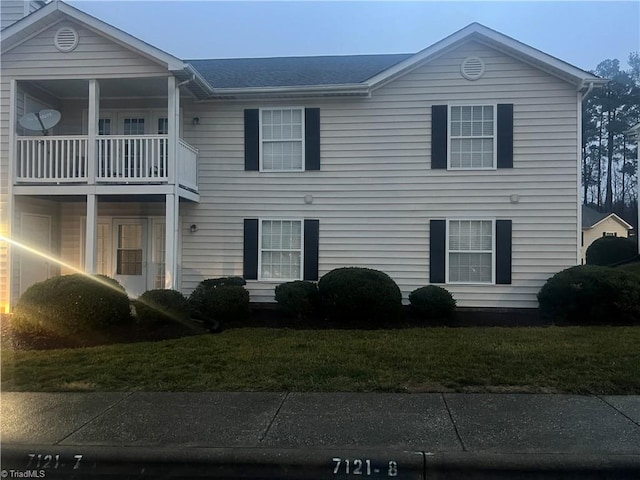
(609, 157)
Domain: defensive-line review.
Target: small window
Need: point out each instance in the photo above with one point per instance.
(282, 139)
(129, 252)
(470, 251)
(104, 126)
(163, 126)
(472, 137)
(134, 126)
(280, 250)
(609, 234)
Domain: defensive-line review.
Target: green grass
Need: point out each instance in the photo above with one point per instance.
(604, 360)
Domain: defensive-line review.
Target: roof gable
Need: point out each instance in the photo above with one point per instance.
(57, 11)
(498, 41)
(591, 217)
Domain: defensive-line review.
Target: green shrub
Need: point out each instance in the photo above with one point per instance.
(591, 294)
(228, 303)
(360, 295)
(161, 307)
(220, 299)
(200, 297)
(611, 250)
(432, 302)
(299, 299)
(71, 304)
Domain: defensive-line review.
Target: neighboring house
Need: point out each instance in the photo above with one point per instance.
(596, 225)
(457, 166)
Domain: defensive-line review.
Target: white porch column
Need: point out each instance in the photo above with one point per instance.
(173, 118)
(94, 117)
(91, 244)
(171, 241)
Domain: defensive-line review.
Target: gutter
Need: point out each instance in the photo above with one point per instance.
(356, 89)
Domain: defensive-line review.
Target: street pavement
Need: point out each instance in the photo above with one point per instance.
(322, 435)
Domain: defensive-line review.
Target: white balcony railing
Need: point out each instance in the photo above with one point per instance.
(187, 165)
(52, 159)
(119, 159)
(128, 158)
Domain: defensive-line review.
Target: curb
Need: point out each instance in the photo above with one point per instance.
(23, 461)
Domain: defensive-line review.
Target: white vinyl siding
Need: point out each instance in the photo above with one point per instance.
(376, 191)
(472, 137)
(159, 241)
(470, 251)
(282, 139)
(280, 250)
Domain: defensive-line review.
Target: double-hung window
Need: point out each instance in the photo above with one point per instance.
(281, 250)
(472, 133)
(470, 251)
(282, 139)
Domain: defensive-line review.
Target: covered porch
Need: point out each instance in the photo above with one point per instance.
(133, 239)
(112, 132)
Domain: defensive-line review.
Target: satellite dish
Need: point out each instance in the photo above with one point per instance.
(42, 121)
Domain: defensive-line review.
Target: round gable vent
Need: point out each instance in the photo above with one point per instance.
(66, 39)
(472, 68)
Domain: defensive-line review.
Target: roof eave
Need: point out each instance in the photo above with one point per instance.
(615, 217)
(356, 89)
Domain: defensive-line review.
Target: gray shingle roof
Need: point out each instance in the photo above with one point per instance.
(590, 216)
(294, 71)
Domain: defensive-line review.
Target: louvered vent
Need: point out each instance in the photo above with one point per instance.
(472, 68)
(66, 39)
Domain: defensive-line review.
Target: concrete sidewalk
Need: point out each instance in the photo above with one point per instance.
(553, 433)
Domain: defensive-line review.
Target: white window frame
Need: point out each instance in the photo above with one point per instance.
(281, 280)
(493, 249)
(261, 141)
(494, 166)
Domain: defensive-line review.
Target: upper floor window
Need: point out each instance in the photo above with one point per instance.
(472, 137)
(282, 139)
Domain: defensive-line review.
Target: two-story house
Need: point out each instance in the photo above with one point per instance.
(457, 165)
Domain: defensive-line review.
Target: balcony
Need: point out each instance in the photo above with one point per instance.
(119, 159)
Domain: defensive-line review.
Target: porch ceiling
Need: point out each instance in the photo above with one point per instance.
(109, 88)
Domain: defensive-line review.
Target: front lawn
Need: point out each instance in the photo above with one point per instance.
(601, 360)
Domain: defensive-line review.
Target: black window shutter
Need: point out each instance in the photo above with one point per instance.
(439, 136)
(437, 251)
(312, 139)
(250, 249)
(252, 139)
(503, 252)
(311, 248)
(505, 135)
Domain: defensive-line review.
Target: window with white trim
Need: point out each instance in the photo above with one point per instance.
(282, 139)
(472, 137)
(280, 250)
(470, 251)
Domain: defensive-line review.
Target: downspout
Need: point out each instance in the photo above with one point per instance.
(587, 93)
(579, 166)
(184, 82)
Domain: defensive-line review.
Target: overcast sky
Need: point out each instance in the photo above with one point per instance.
(579, 32)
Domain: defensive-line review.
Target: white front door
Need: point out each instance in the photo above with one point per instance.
(35, 234)
(131, 254)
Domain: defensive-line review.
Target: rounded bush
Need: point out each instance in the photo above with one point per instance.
(432, 302)
(161, 306)
(200, 297)
(591, 294)
(299, 299)
(611, 250)
(71, 304)
(360, 294)
(228, 303)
